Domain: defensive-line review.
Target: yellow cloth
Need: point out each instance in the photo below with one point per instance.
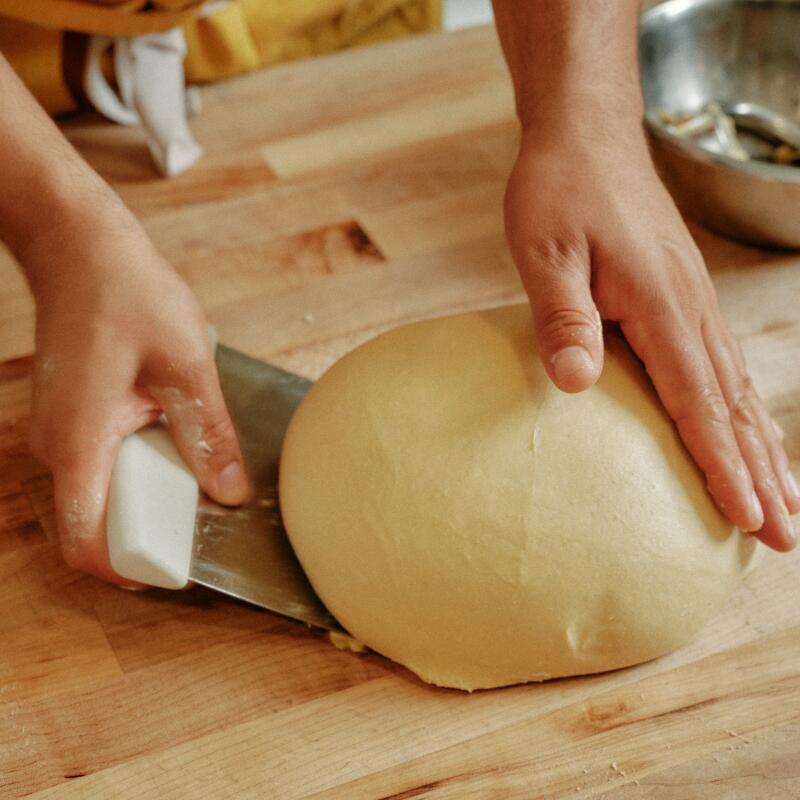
(37, 54)
(112, 17)
(243, 36)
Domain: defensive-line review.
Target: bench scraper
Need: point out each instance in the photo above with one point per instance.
(163, 533)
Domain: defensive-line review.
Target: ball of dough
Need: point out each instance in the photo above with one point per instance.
(462, 516)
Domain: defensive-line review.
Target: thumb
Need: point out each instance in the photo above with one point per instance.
(203, 431)
(568, 328)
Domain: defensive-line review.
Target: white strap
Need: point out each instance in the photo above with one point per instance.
(96, 86)
(152, 93)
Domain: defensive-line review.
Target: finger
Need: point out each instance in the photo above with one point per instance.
(756, 439)
(81, 477)
(684, 378)
(203, 431)
(77, 424)
(77, 435)
(773, 439)
(568, 329)
(771, 433)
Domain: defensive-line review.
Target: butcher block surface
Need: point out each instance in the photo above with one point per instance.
(337, 198)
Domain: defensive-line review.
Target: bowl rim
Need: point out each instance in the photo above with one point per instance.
(781, 173)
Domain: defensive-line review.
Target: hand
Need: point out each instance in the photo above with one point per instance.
(119, 340)
(592, 228)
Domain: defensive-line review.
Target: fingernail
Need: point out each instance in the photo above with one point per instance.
(756, 511)
(792, 483)
(569, 360)
(232, 483)
(792, 534)
(788, 528)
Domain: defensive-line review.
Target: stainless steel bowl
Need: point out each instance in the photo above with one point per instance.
(693, 52)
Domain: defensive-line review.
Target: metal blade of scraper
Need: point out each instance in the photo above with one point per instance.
(245, 552)
(157, 536)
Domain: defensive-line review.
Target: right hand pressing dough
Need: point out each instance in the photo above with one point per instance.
(462, 516)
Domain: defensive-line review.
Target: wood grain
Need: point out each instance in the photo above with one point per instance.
(340, 197)
(765, 765)
(353, 139)
(653, 723)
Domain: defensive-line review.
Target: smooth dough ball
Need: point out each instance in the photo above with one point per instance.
(462, 516)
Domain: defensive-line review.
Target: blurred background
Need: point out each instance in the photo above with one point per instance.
(458, 14)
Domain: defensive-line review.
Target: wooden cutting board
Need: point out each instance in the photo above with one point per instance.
(337, 198)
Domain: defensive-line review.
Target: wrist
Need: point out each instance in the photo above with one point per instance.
(79, 243)
(572, 63)
(579, 104)
(577, 123)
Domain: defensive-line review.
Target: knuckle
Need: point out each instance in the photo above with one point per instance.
(219, 434)
(742, 407)
(565, 323)
(706, 408)
(741, 413)
(558, 253)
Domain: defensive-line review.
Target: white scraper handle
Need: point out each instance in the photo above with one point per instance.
(152, 505)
